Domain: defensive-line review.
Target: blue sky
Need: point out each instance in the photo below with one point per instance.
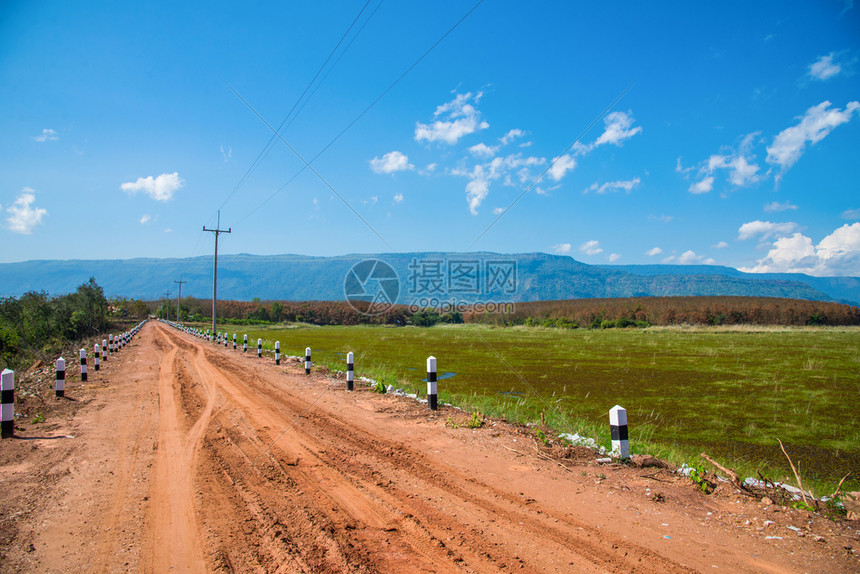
(724, 133)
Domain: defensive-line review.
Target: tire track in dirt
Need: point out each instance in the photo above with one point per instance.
(130, 438)
(173, 532)
(351, 477)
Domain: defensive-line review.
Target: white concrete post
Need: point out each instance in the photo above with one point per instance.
(245, 344)
(277, 352)
(350, 374)
(431, 383)
(60, 388)
(618, 430)
(83, 365)
(307, 360)
(96, 355)
(259, 348)
(7, 403)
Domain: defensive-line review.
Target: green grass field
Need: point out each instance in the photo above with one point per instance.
(728, 392)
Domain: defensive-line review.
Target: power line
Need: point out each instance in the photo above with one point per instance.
(271, 141)
(315, 172)
(367, 109)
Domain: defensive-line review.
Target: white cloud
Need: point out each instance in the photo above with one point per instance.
(391, 162)
(561, 165)
(838, 254)
(47, 135)
(498, 210)
(653, 251)
(562, 247)
(145, 219)
(851, 214)
(483, 150)
(160, 188)
(680, 168)
(814, 126)
(23, 217)
(742, 172)
(689, 257)
(430, 169)
(627, 186)
(226, 153)
(765, 229)
(460, 118)
(661, 218)
(704, 186)
(398, 198)
(511, 136)
(824, 68)
(483, 174)
(591, 247)
(740, 164)
(619, 127)
(613, 257)
(776, 207)
(720, 245)
(372, 201)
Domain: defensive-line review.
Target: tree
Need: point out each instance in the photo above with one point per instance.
(276, 311)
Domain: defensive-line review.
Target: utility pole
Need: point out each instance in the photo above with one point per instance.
(217, 231)
(179, 298)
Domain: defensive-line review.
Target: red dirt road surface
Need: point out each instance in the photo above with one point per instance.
(182, 456)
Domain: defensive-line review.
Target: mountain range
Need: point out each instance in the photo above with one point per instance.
(467, 277)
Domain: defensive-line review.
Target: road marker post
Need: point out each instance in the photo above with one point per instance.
(60, 387)
(431, 383)
(7, 403)
(618, 430)
(245, 344)
(277, 352)
(259, 348)
(350, 374)
(105, 348)
(307, 360)
(96, 352)
(83, 365)
(234, 341)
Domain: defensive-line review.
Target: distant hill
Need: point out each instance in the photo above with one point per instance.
(539, 277)
(843, 289)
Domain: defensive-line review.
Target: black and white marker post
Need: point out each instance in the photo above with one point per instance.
(96, 355)
(259, 348)
(60, 388)
(7, 403)
(618, 430)
(307, 360)
(245, 345)
(277, 352)
(350, 374)
(431, 383)
(105, 349)
(110, 344)
(226, 340)
(83, 365)
(234, 341)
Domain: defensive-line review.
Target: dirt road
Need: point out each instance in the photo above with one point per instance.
(183, 456)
